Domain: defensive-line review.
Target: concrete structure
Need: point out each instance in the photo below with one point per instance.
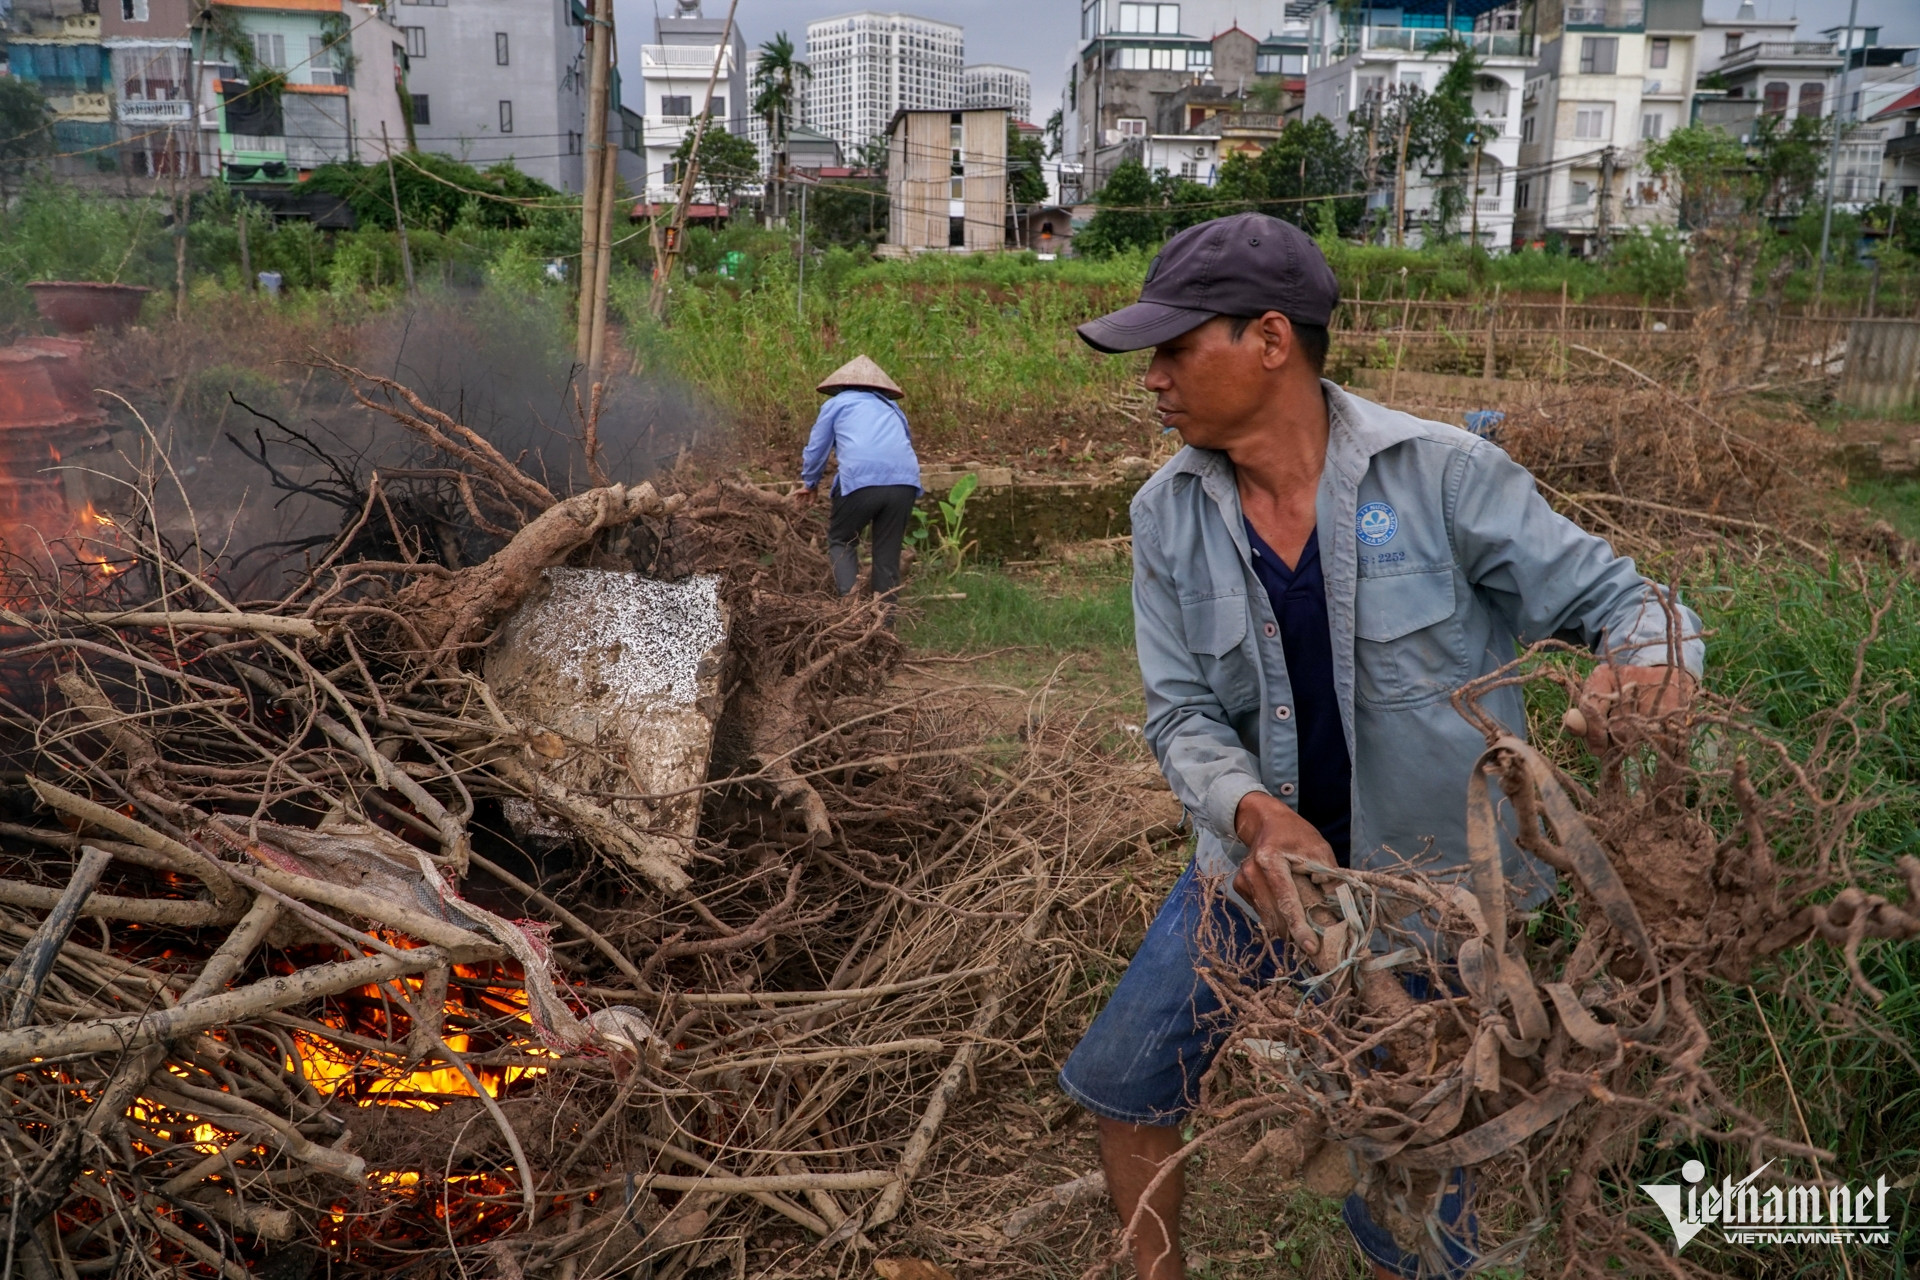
(1133, 59)
(1750, 65)
(1193, 156)
(345, 71)
(869, 66)
(947, 181)
(673, 74)
(987, 85)
(1358, 58)
(1900, 171)
(812, 150)
(496, 80)
(1612, 79)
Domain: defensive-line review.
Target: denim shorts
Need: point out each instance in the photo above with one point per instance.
(1142, 1059)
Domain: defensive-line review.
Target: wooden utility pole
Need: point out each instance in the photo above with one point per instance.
(599, 74)
(246, 258)
(1604, 217)
(676, 233)
(1400, 177)
(400, 223)
(603, 264)
(1473, 192)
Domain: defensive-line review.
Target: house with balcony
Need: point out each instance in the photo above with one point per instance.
(1611, 80)
(295, 84)
(55, 45)
(674, 70)
(1358, 57)
(151, 60)
(1900, 154)
(1751, 65)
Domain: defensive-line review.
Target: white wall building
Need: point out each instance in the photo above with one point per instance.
(673, 72)
(988, 86)
(1357, 58)
(866, 66)
(499, 80)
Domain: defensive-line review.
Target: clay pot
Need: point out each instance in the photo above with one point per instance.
(75, 306)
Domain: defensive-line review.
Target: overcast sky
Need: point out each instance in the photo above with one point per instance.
(1039, 34)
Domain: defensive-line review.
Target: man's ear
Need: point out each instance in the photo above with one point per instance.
(1277, 340)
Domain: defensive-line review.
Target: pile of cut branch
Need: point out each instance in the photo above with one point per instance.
(284, 991)
(1556, 1042)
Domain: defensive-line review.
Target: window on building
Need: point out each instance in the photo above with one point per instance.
(1293, 64)
(1733, 41)
(506, 116)
(1090, 21)
(270, 49)
(1813, 96)
(422, 110)
(1371, 88)
(1592, 122)
(1658, 51)
(1775, 98)
(1526, 128)
(1578, 193)
(667, 174)
(1653, 125)
(1412, 80)
(717, 108)
(676, 104)
(133, 10)
(416, 41)
(1599, 55)
(1150, 19)
(1266, 64)
(1200, 59)
(1523, 196)
(575, 141)
(1131, 127)
(499, 48)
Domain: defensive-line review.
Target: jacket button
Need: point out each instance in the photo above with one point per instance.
(1286, 788)
(1270, 628)
(1283, 712)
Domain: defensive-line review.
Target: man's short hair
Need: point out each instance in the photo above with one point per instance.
(1314, 339)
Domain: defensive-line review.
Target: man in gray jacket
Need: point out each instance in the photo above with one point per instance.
(1314, 575)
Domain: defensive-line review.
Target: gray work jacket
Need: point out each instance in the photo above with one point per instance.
(1438, 555)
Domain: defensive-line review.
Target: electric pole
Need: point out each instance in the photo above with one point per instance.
(1400, 176)
(599, 73)
(1473, 191)
(1833, 159)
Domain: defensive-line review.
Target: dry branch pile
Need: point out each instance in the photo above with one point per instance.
(284, 992)
(1549, 1051)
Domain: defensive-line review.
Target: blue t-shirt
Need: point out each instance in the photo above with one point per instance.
(1299, 598)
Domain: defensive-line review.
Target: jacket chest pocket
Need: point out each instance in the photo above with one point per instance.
(1216, 635)
(1408, 645)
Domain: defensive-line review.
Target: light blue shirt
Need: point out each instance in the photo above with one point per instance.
(869, 435)
(1439, 555)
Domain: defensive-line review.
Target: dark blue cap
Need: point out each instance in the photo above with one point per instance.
(1244, 265)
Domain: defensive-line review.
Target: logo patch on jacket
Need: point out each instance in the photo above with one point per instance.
(1376, 523)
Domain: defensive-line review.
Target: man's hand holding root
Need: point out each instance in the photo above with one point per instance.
(1276, 837)
(1622, 706)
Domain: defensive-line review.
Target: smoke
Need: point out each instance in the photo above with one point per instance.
(257, 460)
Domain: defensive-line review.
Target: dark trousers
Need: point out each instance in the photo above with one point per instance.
(887, 507)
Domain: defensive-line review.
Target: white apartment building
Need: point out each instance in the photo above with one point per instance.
(673, 71)
(988, 86)
(499, 80)
(866, 66)
(1357, 57)
(1613, 78)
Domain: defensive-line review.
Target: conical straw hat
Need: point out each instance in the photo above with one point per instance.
(863, 373)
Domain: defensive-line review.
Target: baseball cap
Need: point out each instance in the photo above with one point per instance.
(1246, 264)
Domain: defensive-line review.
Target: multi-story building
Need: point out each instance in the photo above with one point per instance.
(1900, 172)
(493, 80)
(1612, 79)
(947, 181)
(987, 85)
(57, 47)
(1133, 56)
(675, 70)
(338, 73)
(1359, 59)
(151, 61)
(867, 66)
(1751, 66)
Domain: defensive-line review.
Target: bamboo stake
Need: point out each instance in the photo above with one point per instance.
(599, 62)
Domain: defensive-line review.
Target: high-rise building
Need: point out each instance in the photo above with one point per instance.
(866, 66)
(986, 86)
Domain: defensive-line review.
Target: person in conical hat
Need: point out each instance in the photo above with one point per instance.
(878, 477)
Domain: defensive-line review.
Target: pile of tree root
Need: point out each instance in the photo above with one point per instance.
(1552, 1046)
(282, 993)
